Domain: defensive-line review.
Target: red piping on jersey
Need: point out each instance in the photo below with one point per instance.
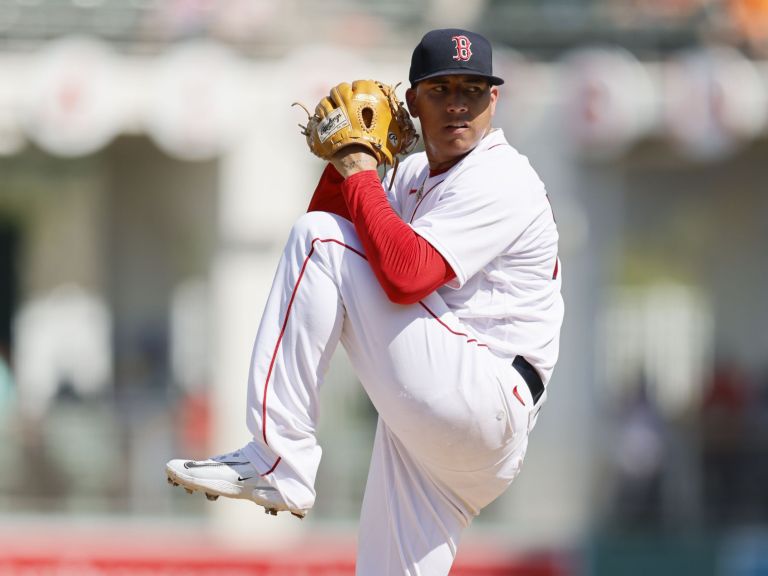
(433, 173)
(451, 330)
(268, 472)
(422, 200)
(557, 260)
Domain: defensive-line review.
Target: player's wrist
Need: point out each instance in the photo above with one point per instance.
(353, 159)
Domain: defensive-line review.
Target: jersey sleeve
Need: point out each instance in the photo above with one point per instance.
(480, 214)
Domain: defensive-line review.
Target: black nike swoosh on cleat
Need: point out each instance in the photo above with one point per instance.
(193, 464)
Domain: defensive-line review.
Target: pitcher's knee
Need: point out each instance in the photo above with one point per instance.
(314, 225)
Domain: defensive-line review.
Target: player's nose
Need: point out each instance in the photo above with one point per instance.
(457, 107)
(456, 102)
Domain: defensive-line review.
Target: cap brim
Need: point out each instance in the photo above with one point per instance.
(494, 80)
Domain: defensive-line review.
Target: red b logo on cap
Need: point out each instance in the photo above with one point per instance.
(463, 48)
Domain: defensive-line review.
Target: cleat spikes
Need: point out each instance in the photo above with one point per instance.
(189, 490)
(299, 516)
(169, 480)
(271, 511)
(212, 497)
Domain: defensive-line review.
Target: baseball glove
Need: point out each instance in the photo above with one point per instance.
(365, 112)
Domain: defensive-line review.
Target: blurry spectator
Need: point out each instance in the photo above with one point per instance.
(639, 458)
(727, 395)
(724, 443)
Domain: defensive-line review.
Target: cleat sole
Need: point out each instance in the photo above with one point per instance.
(213, 492)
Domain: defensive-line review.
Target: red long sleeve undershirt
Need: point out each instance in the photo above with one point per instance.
(327, 196)
(406, 265)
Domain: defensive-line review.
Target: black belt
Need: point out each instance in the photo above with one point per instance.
(531, 377)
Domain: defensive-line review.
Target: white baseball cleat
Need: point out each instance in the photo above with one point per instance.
(230, 475)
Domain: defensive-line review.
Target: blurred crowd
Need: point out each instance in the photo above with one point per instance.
(706, 469)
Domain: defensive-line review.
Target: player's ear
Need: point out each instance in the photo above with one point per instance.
(494, 98)
(410, 100)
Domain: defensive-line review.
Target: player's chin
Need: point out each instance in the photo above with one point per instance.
(459, 146)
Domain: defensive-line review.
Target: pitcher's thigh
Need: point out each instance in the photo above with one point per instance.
(438, 394)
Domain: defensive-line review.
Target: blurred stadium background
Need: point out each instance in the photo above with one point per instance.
(150, 168)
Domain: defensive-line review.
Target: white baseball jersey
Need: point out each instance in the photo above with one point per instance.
(490, 218)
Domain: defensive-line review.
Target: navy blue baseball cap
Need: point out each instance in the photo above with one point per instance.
(452, 51)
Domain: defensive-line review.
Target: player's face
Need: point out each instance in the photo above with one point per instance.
(455, 113)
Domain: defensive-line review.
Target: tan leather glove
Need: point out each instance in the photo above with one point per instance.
(366, 113)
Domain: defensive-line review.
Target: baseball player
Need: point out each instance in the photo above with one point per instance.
(442, 284)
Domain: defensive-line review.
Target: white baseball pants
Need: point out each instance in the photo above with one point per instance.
(453, 418)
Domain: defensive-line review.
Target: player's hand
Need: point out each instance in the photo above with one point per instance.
(353, 159)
